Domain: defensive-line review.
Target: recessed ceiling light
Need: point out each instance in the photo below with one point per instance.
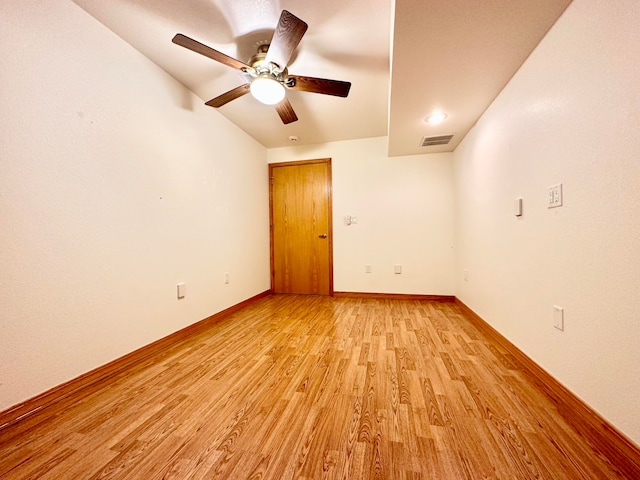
(436, 118)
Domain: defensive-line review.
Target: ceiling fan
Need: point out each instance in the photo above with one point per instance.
(266, 72)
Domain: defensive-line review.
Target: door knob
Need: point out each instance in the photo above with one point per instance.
(322, 235)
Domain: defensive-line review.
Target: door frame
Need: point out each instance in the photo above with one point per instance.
(326, 161)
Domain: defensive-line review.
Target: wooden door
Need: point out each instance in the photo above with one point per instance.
(301, 236)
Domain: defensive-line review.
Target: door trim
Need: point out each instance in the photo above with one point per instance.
(326, 161)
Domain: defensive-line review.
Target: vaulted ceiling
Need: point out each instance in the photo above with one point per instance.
(404, 60)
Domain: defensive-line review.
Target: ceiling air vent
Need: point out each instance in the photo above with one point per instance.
(439, 140)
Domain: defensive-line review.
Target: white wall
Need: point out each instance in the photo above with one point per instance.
(404, 207)
(116, 183)
(570, 115)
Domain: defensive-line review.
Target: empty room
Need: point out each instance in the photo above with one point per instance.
(246, 239)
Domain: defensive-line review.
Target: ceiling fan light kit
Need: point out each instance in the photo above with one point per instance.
(267, 90)
(266, 74)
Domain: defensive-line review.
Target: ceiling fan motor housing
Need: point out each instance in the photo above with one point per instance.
(262, 68)
(268, 68)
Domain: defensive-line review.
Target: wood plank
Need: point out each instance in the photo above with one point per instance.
(80, 385)
(618, 449)
(315, 387)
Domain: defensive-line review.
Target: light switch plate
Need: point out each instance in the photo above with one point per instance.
(517, 207)
(558, 317)
(554, 196)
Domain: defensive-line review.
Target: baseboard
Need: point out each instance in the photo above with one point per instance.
(77, 385)
(604, 437)
(395, 296)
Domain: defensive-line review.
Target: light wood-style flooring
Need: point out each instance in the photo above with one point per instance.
(296, 387)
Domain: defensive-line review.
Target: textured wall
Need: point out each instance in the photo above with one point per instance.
(116, 183)
(571, 115)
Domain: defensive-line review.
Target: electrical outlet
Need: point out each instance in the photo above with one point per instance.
(558, 317)
(226, 277)
(367, 269)
(554, 196)
(465, 275)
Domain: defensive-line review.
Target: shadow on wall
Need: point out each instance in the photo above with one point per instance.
(182, 97)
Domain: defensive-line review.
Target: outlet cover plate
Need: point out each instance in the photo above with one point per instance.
(554, 196)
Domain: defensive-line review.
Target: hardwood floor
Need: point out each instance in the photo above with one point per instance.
(311, 387)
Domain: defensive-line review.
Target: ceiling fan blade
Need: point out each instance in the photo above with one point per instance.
(285, 39)
(202, 49)
(285, 110)
(225, 98)
(319, 85)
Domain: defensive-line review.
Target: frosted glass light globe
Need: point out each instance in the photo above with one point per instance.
(267, 90)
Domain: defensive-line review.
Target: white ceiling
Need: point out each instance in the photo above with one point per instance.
(453, 55)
